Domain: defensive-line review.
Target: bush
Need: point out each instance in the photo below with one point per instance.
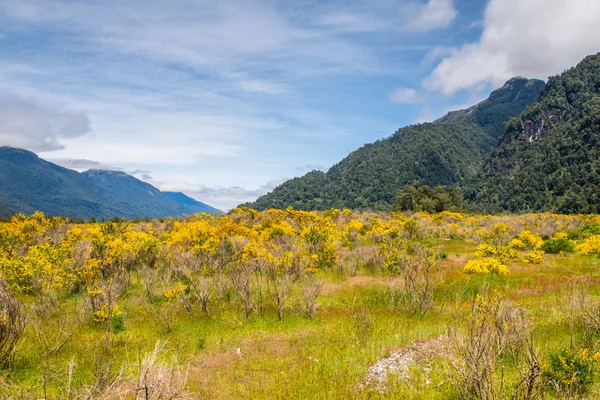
(591, 246)
(118, 322)
(531, 240)
(477, 345)
(557, 246)
(486, 266)
(503, 253)
(12, 323)
(570, 372)
(534, 257)
(413, 292)
(584, 232)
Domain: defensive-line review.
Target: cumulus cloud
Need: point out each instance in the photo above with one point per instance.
(407, 96)
(533, 38)
(26, 124)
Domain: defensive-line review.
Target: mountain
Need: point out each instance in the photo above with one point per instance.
(29, 183)
(549, 155)
(5, 212)
(449, 151)
(132, 197)
(191, 204)
(502, 104)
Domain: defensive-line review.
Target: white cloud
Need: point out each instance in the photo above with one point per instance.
(407, 96)
(351, 22)
(26, 124)
(432, 15)
(80, 164)
(210, 92)
(223, 198)
(532, 38)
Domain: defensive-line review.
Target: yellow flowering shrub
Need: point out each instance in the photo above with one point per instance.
(501, 252)
(105, 312)
(534, 257)
(530, 240)
(571, 371)
(485, 266)
(590, 246)
(517, 244)
(174, 292)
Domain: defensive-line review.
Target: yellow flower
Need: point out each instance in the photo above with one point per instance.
(485, 266)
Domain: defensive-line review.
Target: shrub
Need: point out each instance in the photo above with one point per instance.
(118, 321)
(534, 257)
(591, 246)
(413, 293)
(584, 232)
(477, 345)
(12, 323)
(486, 266)
(570, 372)
(501, 252)
(530, 240)
(558, 245)
(517, 244)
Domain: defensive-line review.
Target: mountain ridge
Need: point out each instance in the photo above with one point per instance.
(448, 151)
(549, 155)
(29, 183)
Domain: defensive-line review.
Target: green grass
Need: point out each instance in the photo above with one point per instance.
(326, 357)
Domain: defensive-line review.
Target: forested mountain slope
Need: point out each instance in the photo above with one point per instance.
(449, 151)
(549, 156)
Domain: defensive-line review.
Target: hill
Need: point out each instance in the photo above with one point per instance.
(549, 156)
(5, 212)
(191, 204)
(132, 197)
(449, 151)
(29, 183)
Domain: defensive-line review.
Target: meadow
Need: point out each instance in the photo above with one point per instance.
(286, 304)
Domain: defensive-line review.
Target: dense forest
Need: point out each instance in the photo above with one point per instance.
(449, 151)
(517, 151)
(548, 158)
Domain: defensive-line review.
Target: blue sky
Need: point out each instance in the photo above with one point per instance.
(225, 99)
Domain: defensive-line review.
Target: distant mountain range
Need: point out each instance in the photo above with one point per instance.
(29, 183)
(5, 212)
(449, 151)
(529, 147)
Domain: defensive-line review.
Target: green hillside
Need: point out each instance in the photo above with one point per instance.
(449, 151)
(549, 157)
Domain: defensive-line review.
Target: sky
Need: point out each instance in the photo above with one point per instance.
(224, 100)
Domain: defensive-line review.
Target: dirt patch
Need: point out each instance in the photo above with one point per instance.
(454, 261)
(401, 361)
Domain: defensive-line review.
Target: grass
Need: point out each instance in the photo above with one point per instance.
(325, 357)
